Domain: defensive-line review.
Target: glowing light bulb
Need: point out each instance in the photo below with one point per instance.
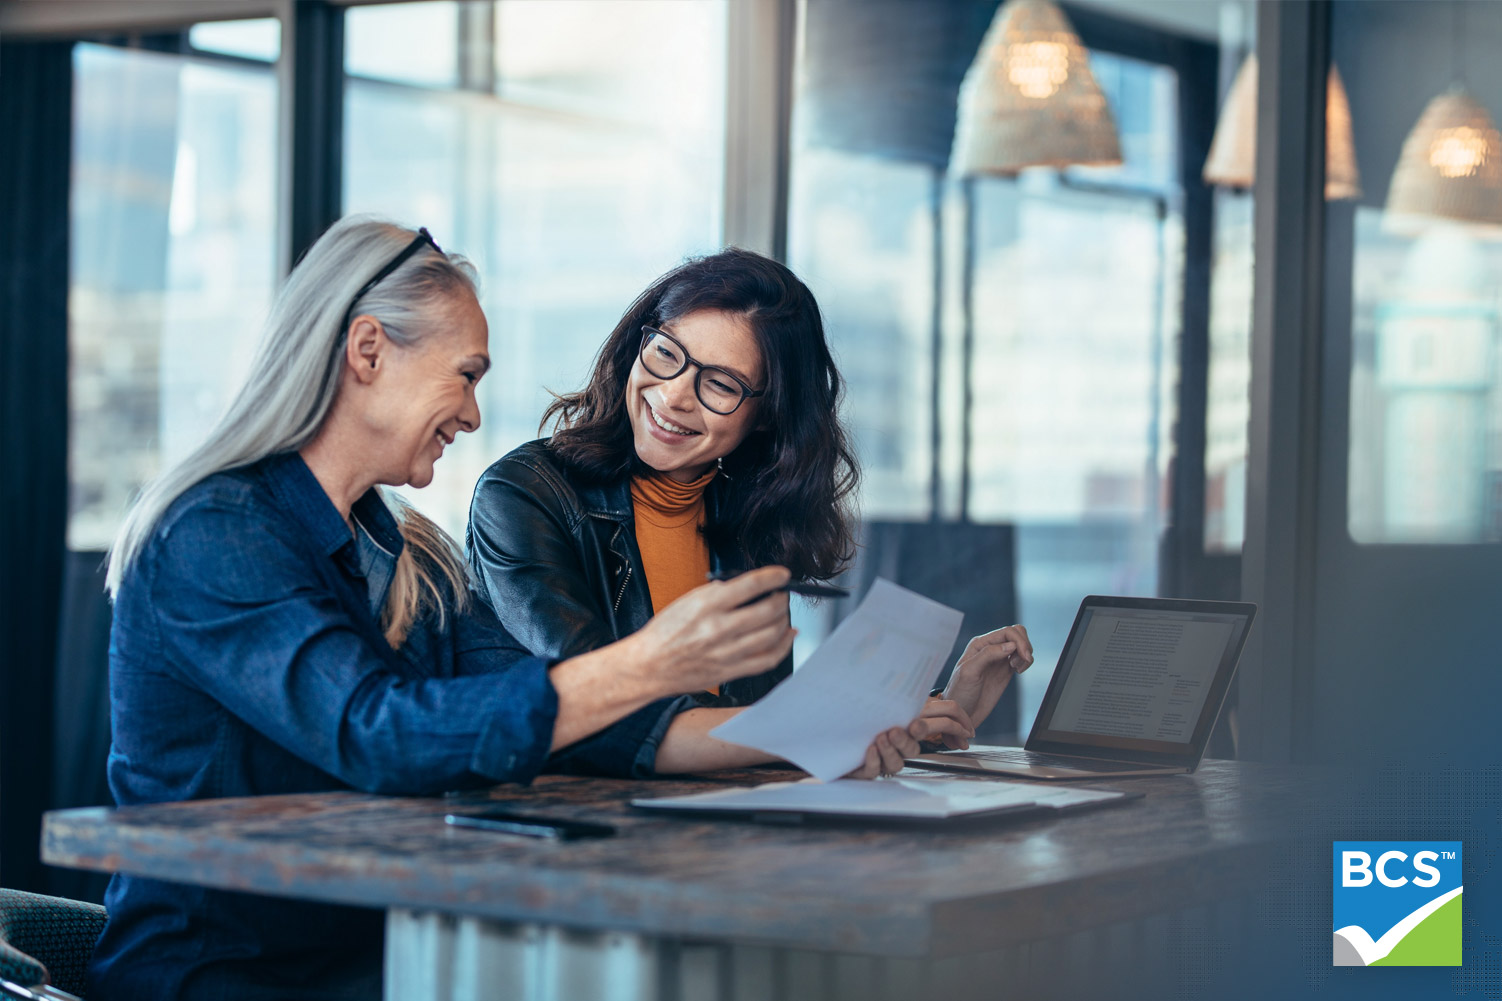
(1038, 69)
(1458, 152)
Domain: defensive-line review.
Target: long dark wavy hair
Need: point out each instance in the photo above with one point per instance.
(787, 488)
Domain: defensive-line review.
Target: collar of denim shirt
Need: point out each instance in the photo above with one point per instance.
(301, 494)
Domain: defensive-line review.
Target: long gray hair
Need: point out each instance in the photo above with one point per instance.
(291, 388)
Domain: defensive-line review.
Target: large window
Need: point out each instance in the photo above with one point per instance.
(532, 136)
(572, 150)
(173, 230)
(862, 232)
(1076, 289)
(1061, 314)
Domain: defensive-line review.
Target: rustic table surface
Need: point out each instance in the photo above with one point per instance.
(878, 891)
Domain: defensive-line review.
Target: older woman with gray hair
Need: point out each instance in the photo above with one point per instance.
(282, 626)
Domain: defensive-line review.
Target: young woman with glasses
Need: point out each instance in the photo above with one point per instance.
(281, 626)
(708, 440)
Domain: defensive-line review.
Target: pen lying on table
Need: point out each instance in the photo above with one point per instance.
(808, 589)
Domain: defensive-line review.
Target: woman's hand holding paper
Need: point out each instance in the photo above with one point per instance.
(884, 756)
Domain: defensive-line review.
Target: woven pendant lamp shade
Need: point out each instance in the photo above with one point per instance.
(1233, 151)
(1342, 179)
(1030, 100)
(1451, 164)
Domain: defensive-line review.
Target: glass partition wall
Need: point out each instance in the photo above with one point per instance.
(1419, 257)
(1410, 412)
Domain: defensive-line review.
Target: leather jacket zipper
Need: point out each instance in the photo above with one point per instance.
(626, 577)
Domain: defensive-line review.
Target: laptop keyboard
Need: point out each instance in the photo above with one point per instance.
(1018, 756)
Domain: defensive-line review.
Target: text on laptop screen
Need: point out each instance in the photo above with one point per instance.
(1138, 677)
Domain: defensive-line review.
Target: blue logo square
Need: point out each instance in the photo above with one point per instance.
(1397, 903)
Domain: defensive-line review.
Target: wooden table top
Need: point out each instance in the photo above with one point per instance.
(1192, 839)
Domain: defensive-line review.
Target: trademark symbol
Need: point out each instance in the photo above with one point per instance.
(1448, 855)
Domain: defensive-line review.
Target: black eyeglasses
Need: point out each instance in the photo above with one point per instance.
(720, 391)
(421, 238)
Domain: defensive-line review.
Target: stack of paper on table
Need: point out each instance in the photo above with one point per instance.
(917, 797)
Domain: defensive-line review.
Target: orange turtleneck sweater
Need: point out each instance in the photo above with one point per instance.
(674, 554)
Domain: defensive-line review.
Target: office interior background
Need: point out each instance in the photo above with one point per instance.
(1250, 361)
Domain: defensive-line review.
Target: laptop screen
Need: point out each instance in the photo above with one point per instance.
(1145, 675)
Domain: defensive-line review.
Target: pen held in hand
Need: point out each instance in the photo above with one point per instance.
(808, 589)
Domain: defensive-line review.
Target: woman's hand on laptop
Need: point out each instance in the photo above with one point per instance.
(986, 668)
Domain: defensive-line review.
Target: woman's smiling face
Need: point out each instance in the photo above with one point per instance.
(426, 397)
(673, 431)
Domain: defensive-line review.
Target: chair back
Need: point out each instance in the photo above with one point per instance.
(971, 568)
(46, 941)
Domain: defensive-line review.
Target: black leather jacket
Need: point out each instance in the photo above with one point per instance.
(557, 560)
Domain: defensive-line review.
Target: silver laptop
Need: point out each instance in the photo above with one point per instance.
(1137, 692)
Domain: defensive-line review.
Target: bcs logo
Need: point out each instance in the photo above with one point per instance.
(1397, 903)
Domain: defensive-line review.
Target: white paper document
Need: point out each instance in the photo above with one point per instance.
(874, 672)
(920, 796)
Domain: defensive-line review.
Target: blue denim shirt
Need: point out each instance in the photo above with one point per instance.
(246, 659)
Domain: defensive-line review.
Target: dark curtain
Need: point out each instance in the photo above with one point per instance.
(36, 93)
(81, 733)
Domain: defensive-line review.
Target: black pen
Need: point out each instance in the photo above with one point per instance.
(808, 589)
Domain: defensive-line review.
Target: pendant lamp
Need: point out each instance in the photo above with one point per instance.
(1030, 100)
(1233, 150)
(1451, 163)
